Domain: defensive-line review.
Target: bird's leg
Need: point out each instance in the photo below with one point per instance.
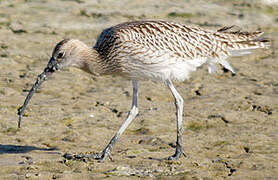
(131, 115)
(179, 110)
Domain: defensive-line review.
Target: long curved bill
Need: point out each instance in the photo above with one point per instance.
(50, 68)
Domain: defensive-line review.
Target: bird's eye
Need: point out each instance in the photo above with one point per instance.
(60, 55)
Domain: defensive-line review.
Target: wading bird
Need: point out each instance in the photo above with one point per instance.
(150, 50)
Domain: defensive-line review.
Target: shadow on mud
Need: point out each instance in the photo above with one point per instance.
(14, 149)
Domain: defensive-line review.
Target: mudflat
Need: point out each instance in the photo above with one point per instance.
(230, 120)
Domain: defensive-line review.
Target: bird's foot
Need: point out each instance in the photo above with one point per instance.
(95, 156)
(103, 155)
(177, 154)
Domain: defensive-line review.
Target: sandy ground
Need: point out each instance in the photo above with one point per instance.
(230, 121)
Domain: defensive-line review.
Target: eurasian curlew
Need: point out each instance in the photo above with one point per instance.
(150, 50)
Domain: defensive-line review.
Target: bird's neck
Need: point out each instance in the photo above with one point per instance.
(92, 62)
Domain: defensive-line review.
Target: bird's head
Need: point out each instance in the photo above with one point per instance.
(66, 53)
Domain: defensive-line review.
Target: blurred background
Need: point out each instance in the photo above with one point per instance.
(230, 120)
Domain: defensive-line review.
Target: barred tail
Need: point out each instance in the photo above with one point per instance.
(236, 43)
(240, 43)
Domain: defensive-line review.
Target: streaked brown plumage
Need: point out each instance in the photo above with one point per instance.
(157, 50)
(151, 43)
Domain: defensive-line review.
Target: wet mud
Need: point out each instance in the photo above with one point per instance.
(230, 121)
